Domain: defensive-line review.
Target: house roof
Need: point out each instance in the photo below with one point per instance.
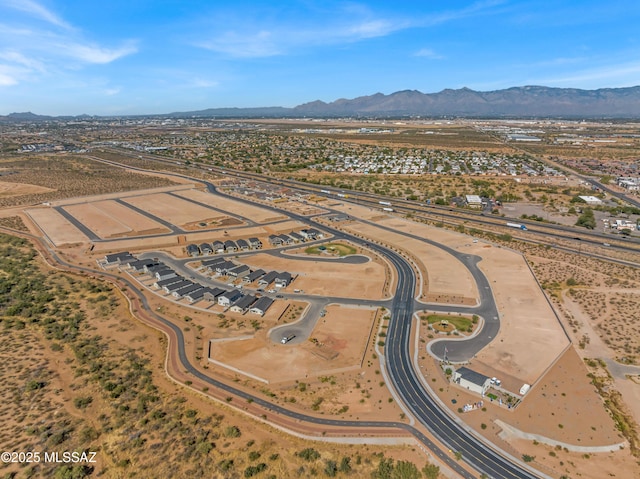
(472, 376)
(245, 301)
(269, 277)
(263, 303)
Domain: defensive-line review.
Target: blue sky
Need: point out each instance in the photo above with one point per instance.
(67, 57)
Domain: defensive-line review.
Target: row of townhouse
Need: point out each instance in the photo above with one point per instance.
(308, 234)
(219, 247)
(223, 267)
(178, 287)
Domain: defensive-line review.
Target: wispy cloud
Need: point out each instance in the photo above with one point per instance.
(246, 37)
(36, 10)
(33, 49)
(95, 53)
(622, 74)
(428, 53)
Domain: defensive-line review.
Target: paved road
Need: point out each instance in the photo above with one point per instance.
(404, 378)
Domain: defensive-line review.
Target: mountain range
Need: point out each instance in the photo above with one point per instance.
(518, 102)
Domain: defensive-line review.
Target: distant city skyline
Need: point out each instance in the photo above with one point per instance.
(67, 57)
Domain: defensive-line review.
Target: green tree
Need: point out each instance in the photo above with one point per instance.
(587, 219)
(431, 471)
(405, 470)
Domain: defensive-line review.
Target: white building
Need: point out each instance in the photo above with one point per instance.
(591, 200)
(471, 380)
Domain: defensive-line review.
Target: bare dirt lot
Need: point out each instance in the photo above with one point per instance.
(563, 407)
(366, 281)
(8, 189)
(447, 280)
(530, 337)
(253, 213)
(174, 210)
(56, 227)
(109, 219)
(340, 346)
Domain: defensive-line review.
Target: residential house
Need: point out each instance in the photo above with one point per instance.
(283, 279)
(239, 271)
(192, 250)
(230, 297)
(471, 380)
(211, 294)
(255, 243)
(243, 245)
(268, 278)
(165, 273)
(206, 248)
(139, 265)
(170, 288)
(230, 246)
(251, 277)
(223, 268)
(162, 283)
(261, 305)
(275, 240)
(179, 293)
(243, 304)
(119, 258)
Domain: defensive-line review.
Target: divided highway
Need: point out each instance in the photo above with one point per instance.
(481, 456)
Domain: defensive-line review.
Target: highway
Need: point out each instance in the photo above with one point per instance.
(480, 455)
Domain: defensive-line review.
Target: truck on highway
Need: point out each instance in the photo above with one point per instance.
(327, 192)
(517, 225)
(386, 203)
(387, 209)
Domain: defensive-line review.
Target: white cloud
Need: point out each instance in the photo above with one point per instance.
(247, 37)
(6, 79)
(428, 53)
(623, 74)
(94, 53)
(112, 91)
(260, 44)
(33, 50)
(202, 83)
(36, 10)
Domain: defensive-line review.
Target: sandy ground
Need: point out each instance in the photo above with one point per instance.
(550, 411)
(124, 194)
(629, 386)
(322, 278)
(445, 277)
(56, 227)
(108, 219)
(254, 213)
(174, 210)
(530, 337)
(8, 189)
(174, 244)
(342, 338)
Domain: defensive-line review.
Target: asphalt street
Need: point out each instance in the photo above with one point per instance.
(479, 455)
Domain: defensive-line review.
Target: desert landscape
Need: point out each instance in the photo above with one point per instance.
(558, 327)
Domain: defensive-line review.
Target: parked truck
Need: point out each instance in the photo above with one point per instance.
(517, 225)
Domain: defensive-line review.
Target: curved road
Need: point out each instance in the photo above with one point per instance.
(401, 371)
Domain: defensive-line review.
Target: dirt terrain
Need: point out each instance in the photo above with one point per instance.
(341, 339)
(8, 189)
(529, 343)
(322, 278)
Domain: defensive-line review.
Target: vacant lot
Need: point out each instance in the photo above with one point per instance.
(326, 278)
(340, 342)
(66, 176)
(253, 213)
